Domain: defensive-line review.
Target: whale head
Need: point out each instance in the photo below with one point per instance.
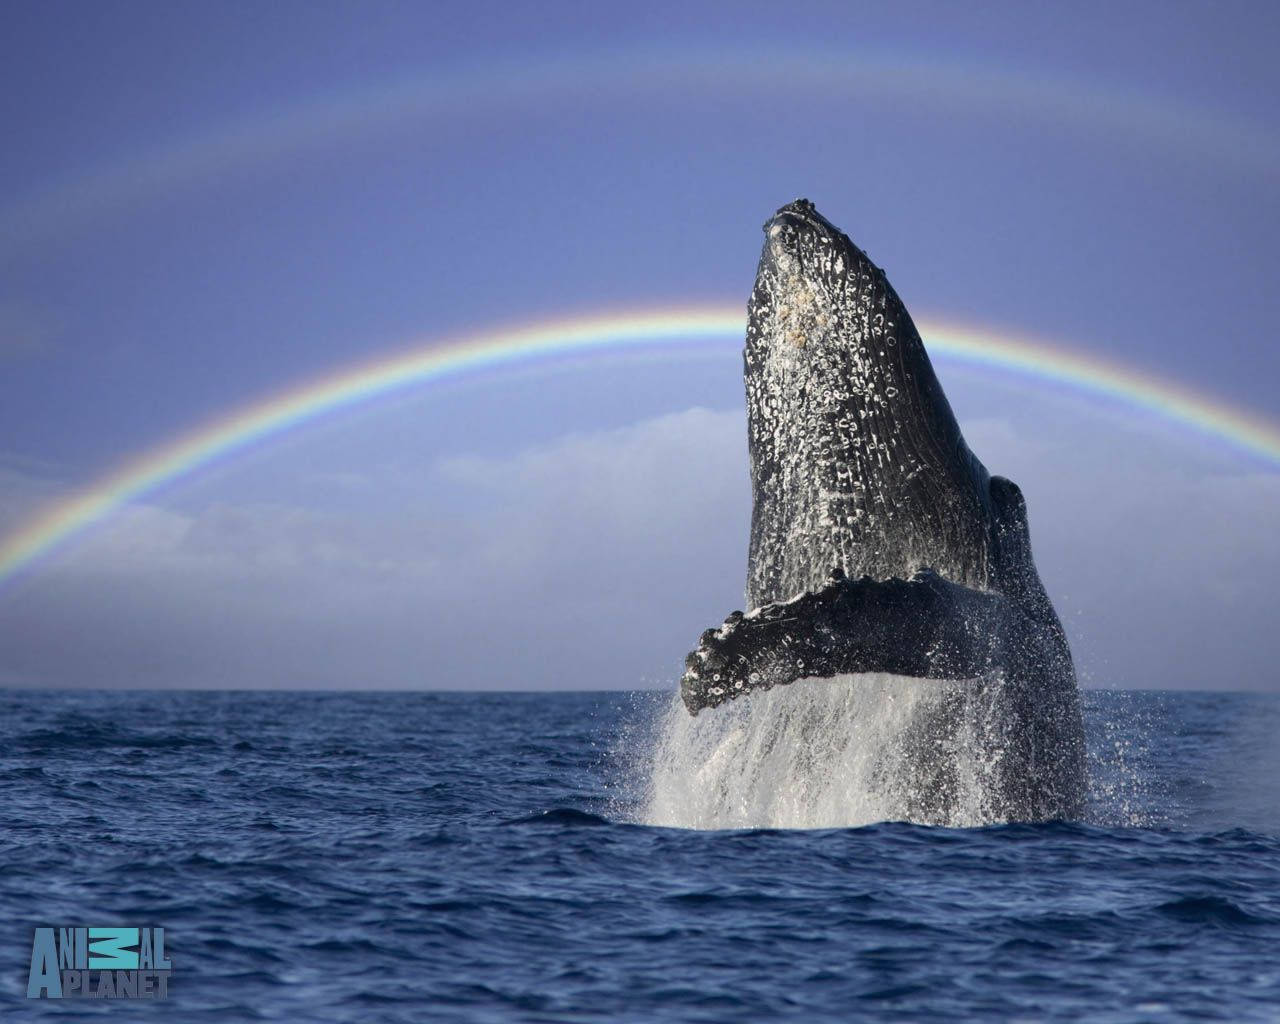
(857, 461)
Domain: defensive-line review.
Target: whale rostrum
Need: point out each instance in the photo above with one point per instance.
(879, 542)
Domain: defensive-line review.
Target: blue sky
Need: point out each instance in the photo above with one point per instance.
(206, 204)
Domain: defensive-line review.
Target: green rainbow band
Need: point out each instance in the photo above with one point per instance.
(613, 332)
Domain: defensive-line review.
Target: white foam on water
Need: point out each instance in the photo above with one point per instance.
(831, 753)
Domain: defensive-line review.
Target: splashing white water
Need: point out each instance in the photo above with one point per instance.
(830, 753)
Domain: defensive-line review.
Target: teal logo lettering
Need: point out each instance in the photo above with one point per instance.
(84, 962)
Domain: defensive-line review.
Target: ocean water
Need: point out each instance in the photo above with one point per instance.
(494, 857)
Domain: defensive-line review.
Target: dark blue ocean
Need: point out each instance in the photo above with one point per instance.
(420, 857)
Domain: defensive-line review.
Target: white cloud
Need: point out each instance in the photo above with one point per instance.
(596, 560)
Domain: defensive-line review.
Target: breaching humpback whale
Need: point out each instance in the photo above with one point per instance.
(879, 542)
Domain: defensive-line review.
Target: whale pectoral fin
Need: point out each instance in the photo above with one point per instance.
(926, 627)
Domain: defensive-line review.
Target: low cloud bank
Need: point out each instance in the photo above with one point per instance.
(596, 560)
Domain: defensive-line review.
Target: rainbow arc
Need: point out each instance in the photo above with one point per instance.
(614, 332)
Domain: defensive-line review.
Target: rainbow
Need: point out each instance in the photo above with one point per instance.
(618, 332)
(931, 81)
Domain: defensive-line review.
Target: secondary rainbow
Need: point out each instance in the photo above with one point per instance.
(617, 332)
(933, 81)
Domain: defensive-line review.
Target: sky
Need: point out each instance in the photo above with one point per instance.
(205, 206)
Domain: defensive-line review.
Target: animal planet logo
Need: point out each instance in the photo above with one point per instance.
(101, 963)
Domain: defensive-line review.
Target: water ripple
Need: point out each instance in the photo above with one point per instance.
(417, 857)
